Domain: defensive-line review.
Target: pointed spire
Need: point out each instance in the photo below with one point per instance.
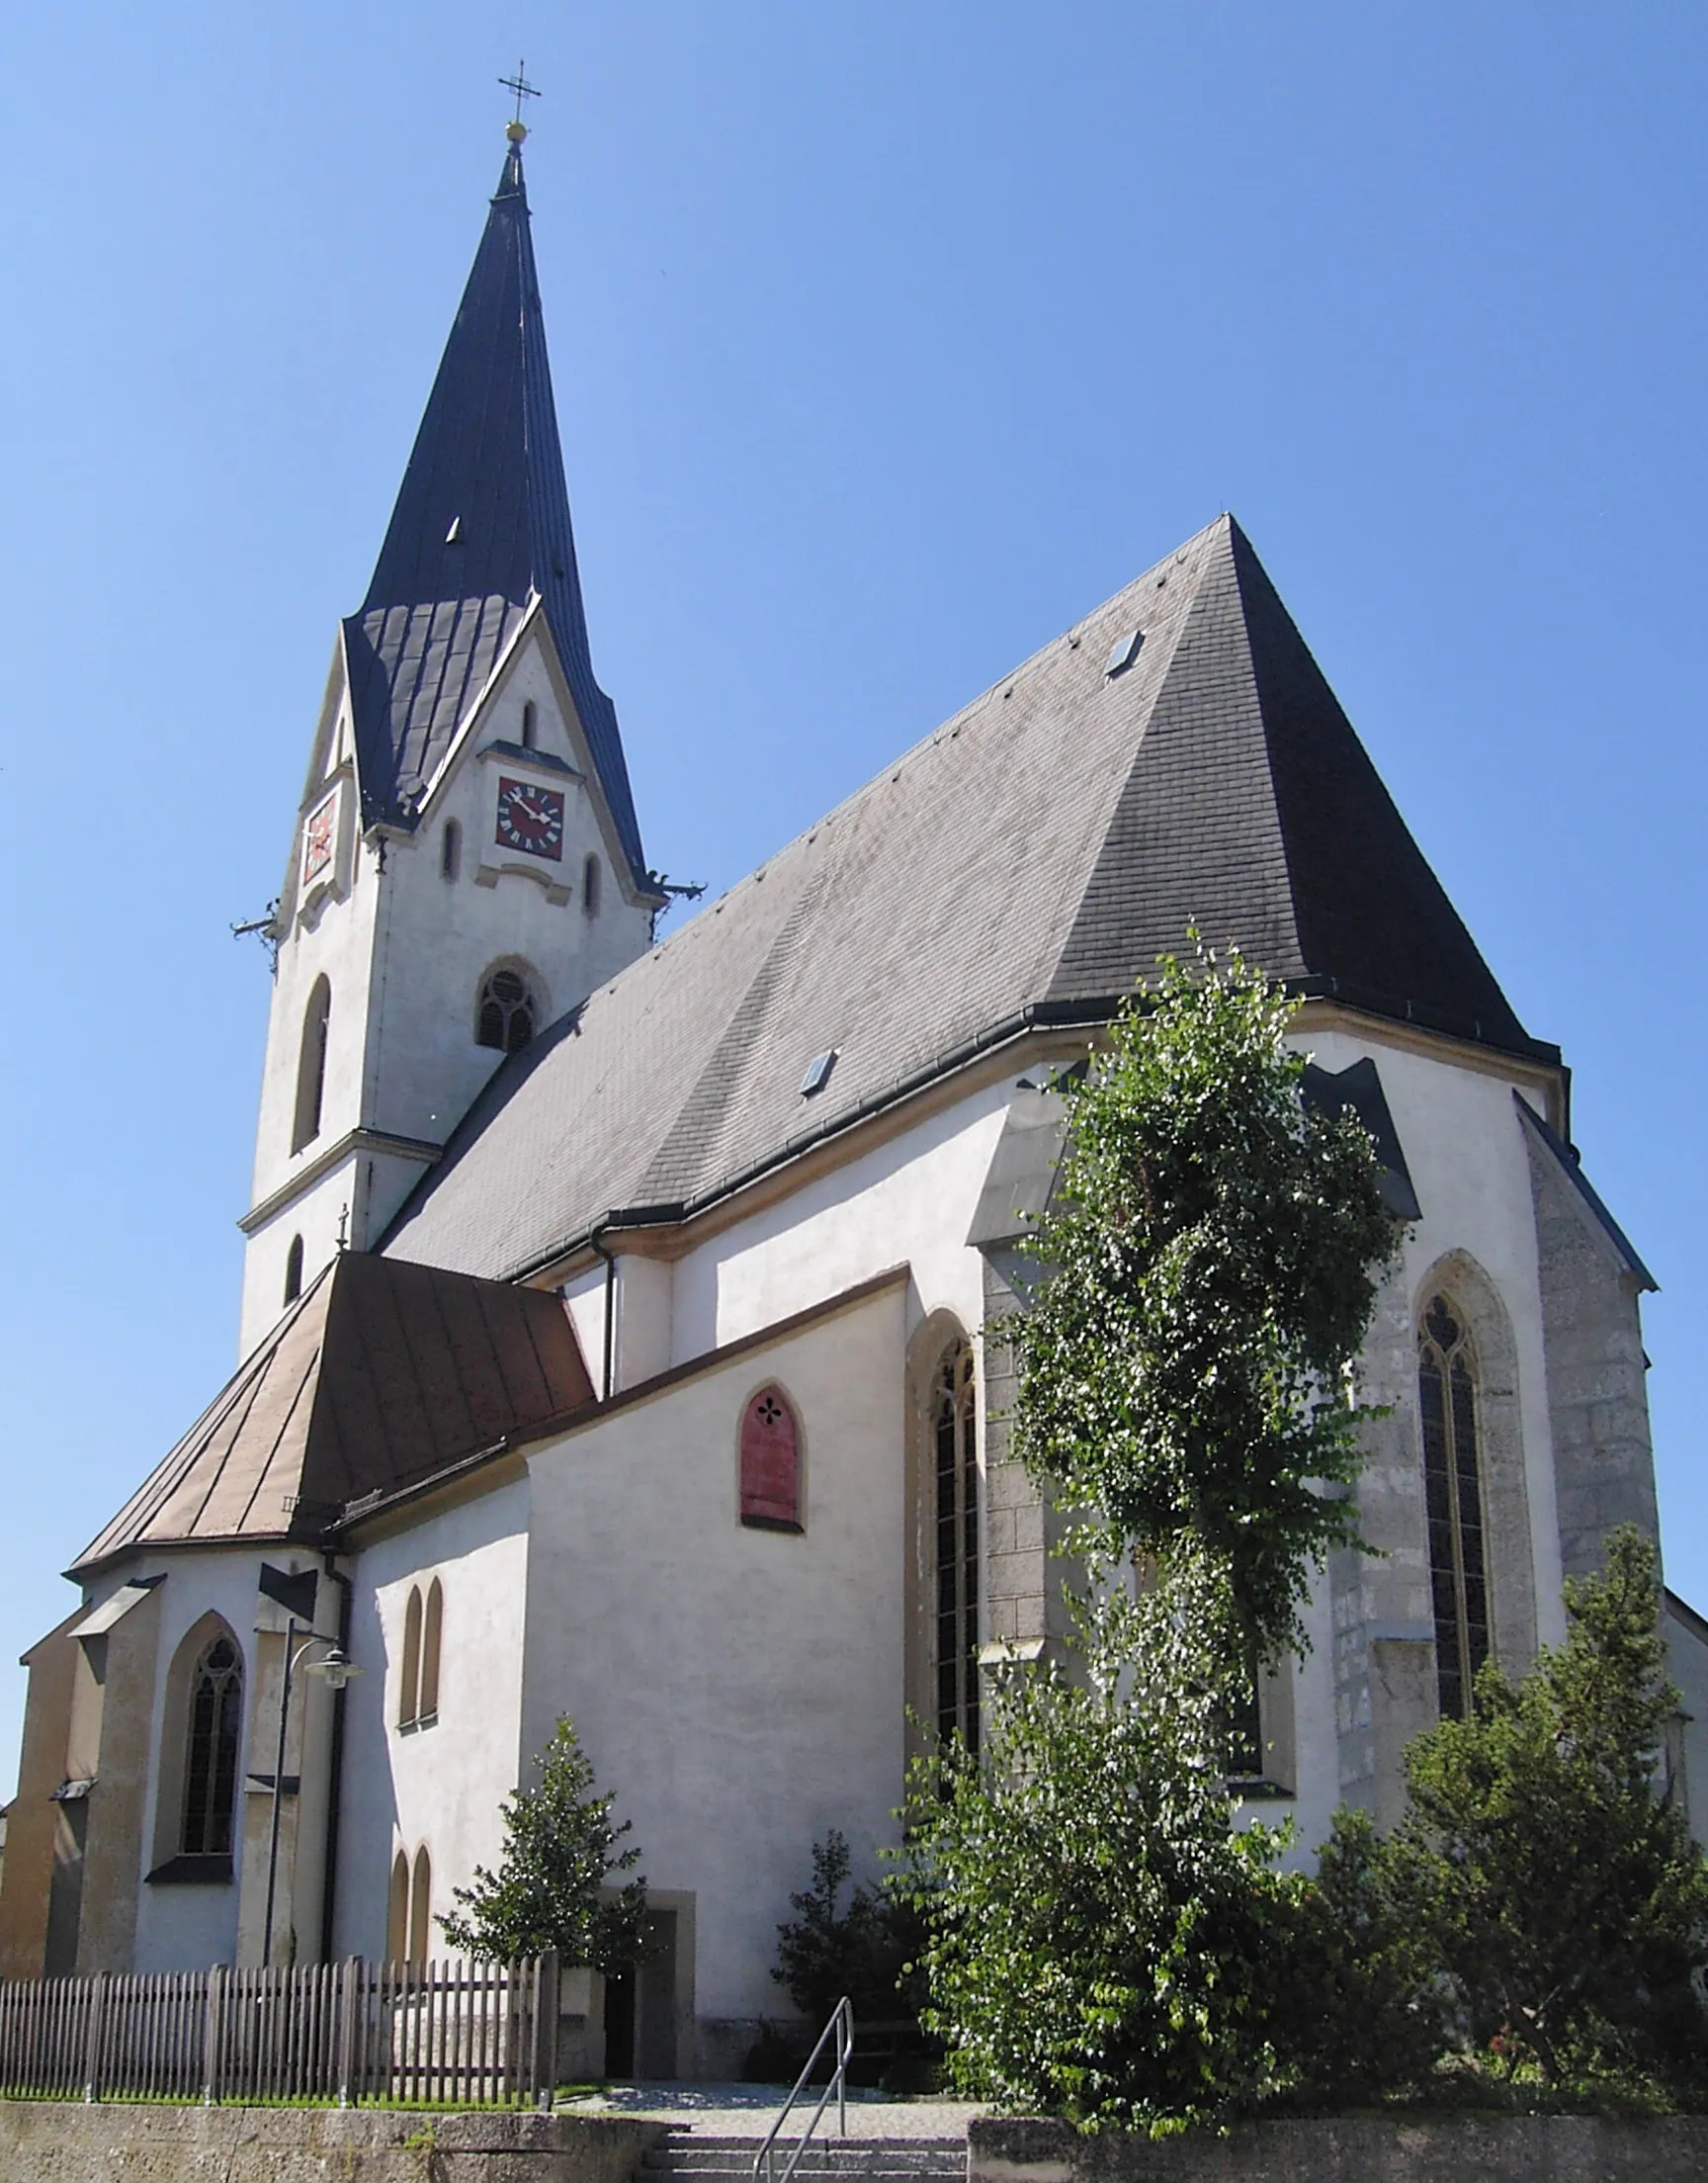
(480, 527)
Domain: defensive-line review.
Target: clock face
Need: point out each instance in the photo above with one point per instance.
(317, 839)
(530, 819)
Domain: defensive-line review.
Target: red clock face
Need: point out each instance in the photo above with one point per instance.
(531, 819)
(317, 839)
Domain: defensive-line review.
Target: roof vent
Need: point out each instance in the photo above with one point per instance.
(817, 1073)
(454, 533)
(1123, 653)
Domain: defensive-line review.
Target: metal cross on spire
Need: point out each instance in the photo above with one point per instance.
(524, 90)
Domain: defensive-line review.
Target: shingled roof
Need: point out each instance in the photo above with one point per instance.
(481, 528)
(1028, 862)
(381, 1374)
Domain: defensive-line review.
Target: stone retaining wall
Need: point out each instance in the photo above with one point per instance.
(1556, 2148)
(55, 2141)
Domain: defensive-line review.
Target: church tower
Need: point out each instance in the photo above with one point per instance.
(467, 865)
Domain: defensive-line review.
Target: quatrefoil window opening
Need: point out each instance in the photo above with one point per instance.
(769, 1460)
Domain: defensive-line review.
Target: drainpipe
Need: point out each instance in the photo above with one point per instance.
(335, 1767)
(597, 1242)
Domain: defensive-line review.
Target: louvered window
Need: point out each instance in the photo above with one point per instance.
(505, 1018)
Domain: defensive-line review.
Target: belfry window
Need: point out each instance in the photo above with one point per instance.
(590, 886)
(211, 1768)
(450, 850)
(293, 1271)
(505, 1017)
(955, 1439)
(311, 1064)
(529, 726)
(1453, 1499)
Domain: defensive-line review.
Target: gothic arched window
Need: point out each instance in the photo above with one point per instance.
(420, 1906)
(293, 1271)
(409, 1686)
(311, 1064)
(955, 1443)
(770, 1463)
(450, 850)
(505, 1016)
(432, 1624)
(529, 726)
(590, 886)
(1453, 1501)
(211, 1762)
(398, 1916)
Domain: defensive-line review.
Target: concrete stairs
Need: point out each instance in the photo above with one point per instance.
(708, 2158)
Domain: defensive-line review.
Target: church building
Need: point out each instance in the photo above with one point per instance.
(614, 1315)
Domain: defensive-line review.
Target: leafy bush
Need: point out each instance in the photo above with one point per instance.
(551, 1887)
(1541, 1873)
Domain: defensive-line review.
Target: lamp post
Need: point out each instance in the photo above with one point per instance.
(337, 1668)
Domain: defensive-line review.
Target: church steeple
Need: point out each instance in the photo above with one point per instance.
(480, 530)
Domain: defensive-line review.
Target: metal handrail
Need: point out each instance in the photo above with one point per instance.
(842, 2025)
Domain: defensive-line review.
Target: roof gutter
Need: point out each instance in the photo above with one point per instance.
(1036, 1015)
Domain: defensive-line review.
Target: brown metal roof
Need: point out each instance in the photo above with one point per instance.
(383, 1373)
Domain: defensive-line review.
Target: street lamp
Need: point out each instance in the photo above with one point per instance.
(336, 1669)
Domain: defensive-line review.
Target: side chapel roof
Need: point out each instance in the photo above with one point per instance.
(380, 1373)
(1027, 862)
(482, 528)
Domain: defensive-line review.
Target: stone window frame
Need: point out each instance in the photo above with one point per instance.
(1475, 1300)
(936, 1335)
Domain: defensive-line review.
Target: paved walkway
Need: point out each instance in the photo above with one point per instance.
(748, 2110)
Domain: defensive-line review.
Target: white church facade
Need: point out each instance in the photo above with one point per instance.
(614, 1323)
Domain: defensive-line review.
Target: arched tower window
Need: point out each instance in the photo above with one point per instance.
(450, 850)
(954, 1444)
(506, 1016)
(211, 1762)
(590, 886)
(420, 1906)
(432, 1621)
(311, 1064)
(1447, 1402)
(293, 1271)
(770, 1463)
(409, 1686)
(529, 726)
(398, 1916)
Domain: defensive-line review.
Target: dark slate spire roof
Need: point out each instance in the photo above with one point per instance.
(1026, 864)
(481, 526)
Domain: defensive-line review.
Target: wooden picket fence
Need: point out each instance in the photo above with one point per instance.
(466, 2034)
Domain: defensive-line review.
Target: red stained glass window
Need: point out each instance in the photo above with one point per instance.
(770, 1463)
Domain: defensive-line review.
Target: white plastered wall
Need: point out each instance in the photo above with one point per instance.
(443, 1784)
(739, 1690)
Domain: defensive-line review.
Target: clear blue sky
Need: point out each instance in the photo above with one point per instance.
(888, 341)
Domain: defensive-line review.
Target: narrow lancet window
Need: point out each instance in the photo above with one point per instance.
(590, 886)
(210, 1770)
(450, 851)
(1453, 1497)
(311, 1064)
(529, 726)
(293, 1271)
(409, 1687)
(954, 1421)
(432, 1624)
(421, 1907)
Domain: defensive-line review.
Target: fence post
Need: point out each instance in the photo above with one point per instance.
(212, 2032)
(92, 2037)
(545, 2006)
(349, 1988)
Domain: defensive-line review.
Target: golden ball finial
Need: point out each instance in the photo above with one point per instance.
(516, 131)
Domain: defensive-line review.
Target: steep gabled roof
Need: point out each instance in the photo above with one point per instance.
(482, 527)
(1027, 862)
(379, 1374)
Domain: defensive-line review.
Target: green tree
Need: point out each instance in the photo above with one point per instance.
(861, 1949)
(1537, 1866)
(553, 1887)
(1212, 1251)
(1102, 1943)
